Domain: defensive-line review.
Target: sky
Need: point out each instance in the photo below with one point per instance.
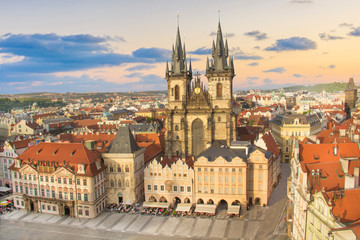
(116, 45)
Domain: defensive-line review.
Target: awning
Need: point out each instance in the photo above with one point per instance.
(4, 203)
(156, 204)
(205, 208)
(233, 209)
(4, 189)
(183, 207)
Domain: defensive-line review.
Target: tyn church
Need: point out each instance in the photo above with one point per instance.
(198, 116)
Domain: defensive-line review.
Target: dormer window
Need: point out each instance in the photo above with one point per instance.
(81, 169)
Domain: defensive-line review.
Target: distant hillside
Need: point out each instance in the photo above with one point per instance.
(328, 87)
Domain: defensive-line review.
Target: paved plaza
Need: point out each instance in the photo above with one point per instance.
(258, 223)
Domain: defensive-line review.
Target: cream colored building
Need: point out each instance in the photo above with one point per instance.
(169, 180)
(288, 128)
(60, 178)
(125, 168)
(25, 127)
(240, 174)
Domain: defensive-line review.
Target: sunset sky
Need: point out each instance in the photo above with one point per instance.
(88, 46)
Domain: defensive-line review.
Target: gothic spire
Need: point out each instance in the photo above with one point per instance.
(220, 54)
(178, 56)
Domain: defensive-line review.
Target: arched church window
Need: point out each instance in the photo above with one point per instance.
(172, 92)
(119, 184)
(219, 90)
(118, 168)
(219, 119)
(177, 92)
(111, 168)
(176, 128)
(111, 183)
(126, 168)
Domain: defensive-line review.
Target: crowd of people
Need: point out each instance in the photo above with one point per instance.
(7, 206)
(122, 208)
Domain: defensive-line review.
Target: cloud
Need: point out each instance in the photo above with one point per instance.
(291, 44)
(318, 76)
(332, 66)
(355, 32)
(158, 54)
(276, 70)
(49, 53)
(201, 51)
(267, 81)
(325, 36)
(298, 75)
(345, 25)
(240, 55)
(253, 64)
(252, 78)
(301, 1)
(140, 67)
(226, 35)
(257, 34)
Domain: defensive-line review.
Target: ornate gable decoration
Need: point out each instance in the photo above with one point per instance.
(63, 171)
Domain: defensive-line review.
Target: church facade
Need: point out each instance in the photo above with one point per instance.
(196, 116)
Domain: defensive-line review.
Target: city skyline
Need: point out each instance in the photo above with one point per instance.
(62, 46)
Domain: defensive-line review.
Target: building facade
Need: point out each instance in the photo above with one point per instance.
(350, 96)
(125, 168)
(60, 178)
(196, 117)
(6, 160)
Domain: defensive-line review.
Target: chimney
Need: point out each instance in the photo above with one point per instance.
(90, 144)
(335, 151)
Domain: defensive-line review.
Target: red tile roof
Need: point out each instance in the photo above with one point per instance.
(346, 206)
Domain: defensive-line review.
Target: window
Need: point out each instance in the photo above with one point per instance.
(211, 178)
(48, 208)
(226, 178)
(118, 168)
(70, 180)
(260, 176)
(64, 180)
(211, 169)
(233, 179)
(205, 178)
(26, 177)
(219, 90)
(127, 169)
(155, 187)
(51, 179)
(149, 187)
(60, 195)
(206, 189)
(16, 188)
(54, 208)
(188, 189)
(175, 188)
(59, 180)
(176, 128)
(220, 189)
(111, 168)
(240, 179)
(41, 178)
(233, 170)
(84, 182)
(177, 92)
(42, 192)
(15, 174)
(162, 188)
(43, 207)
(199, 178)
(35, 191)
(182, 188)
(226, 191)
(46, 178)
(220, 179)
(220, 169)
(205, 169)
(34, 177)
(79, 196)
(26, 190)
(53, 193)
(80, 211)
(85, 197)
(47, 193)
(78, 181)
(111, 183)
(86, 212)
(286, 149)
(199, 169)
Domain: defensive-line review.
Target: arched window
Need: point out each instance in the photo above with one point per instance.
(177, 92)
(172, 92)
(111, 183)
(126, 168)
(219, 90)
(176, 128)
(111, 168)
(118, 168)
(219, 119)
(127, 183)
(119, 183)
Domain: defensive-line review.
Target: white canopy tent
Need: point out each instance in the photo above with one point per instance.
(156, 204)
(4, 189)
(183, 207)
(205, 208)
(233, 209)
